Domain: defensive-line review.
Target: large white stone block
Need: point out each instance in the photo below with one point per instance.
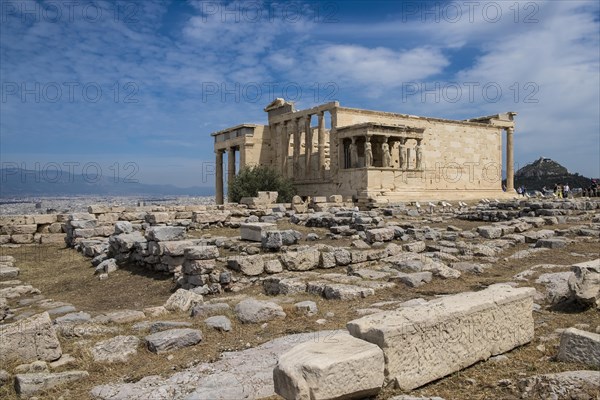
(424, 343)
(340, 367)
(254, 231)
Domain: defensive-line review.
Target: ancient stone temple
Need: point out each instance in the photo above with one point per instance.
(373, 156)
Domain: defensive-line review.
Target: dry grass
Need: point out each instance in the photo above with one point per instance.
(64, 275)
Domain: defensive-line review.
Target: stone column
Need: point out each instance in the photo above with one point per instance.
(407, 157)
(308, 145)
(321, 144)
(296, 156)
(286, 146)
(510, 162)
(279, 135)
(243, 148)
(219, 177)
(230, 165)
(419, 155)
(353, 154)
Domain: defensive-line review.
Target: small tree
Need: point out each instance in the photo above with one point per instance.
(259, 178)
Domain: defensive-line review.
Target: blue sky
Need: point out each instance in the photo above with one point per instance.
(107, 83)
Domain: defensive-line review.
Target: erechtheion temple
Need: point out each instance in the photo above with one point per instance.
(373, 156)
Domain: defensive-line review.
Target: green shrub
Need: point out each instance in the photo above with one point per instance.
(251, 180)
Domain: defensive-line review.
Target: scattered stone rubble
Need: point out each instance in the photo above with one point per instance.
(354, 254)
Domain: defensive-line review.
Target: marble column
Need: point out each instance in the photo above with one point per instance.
(308, 145)
(243, 148)
(296, 156)
(230, 165)
(321, 143)
(419, 155)
(407, 157)
(219, 177)
(279, 133)
(353, 154)
(510, 161)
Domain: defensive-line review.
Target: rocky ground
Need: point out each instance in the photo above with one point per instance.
(130, 332)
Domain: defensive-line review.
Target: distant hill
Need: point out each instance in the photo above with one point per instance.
(16, 182)
(547, 172)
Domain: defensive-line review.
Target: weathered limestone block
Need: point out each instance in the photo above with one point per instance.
(157, 218)
(120, 317)
(551, 243)
(83, 224)
(98, 209)
(109, 217)
(29, 384)
(213, 217)
(415, 247)
(414, 279)
(585, 282)
(117, 349)
(165, 233)
(7, 272)
(340, 291)
(18, 291)
(204, 310)
(255, 231)
(16, 219)
(173, 339)
(490, 232)
(272, 240)
(30, 339)
(183, 300)
(273, 266)
(23, 229)
(44, 219)
(54, 238)
(534, 236)
(201, 252)
(248, 265)
(557, 286)
(341, 368)
(275, 286)
(580, 347)
(380, 235)
(22, 238)
(175, 248)
(252, 311)
(425, 343)
(303, 260)
(123, 227)
(219, 322)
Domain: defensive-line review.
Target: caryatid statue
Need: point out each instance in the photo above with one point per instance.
(387, 157)
(419, 154)
(402, 154)
(368, 154)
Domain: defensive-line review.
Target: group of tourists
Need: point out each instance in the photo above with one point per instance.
(593, 190)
